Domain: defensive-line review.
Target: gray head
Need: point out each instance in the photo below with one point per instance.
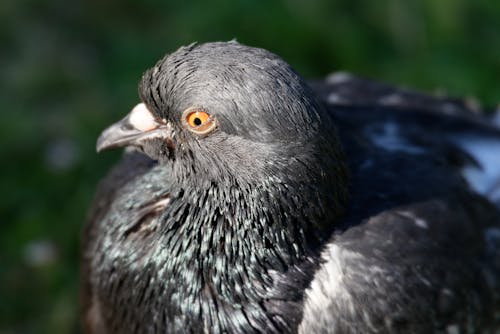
(226, 110)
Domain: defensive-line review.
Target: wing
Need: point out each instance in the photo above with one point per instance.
(376, 120)
(342, 88)
(424, 268)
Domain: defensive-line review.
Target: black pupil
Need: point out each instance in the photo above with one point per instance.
(197, 121)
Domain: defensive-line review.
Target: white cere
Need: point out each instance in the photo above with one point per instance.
(142, 119)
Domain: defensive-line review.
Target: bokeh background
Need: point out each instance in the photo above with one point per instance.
(69, 68)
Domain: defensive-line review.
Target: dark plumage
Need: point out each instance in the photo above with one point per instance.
(250, 204)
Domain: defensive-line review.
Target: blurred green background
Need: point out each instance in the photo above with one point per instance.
(69, 68)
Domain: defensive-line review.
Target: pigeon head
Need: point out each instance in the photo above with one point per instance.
(220, 110)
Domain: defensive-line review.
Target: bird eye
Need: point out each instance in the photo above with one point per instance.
(198, 121)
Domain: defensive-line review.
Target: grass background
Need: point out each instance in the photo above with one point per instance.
(69, 68)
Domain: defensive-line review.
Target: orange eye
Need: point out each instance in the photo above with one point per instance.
(198, 121)
(197, 118)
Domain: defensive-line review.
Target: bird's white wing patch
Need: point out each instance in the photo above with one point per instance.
(387, 136)
(334, 98)
(485, 178)
(418, 221)
(328, 287)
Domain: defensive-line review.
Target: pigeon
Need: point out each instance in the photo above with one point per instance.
(251, 201)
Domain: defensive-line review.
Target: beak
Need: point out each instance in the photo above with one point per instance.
(133, 130)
